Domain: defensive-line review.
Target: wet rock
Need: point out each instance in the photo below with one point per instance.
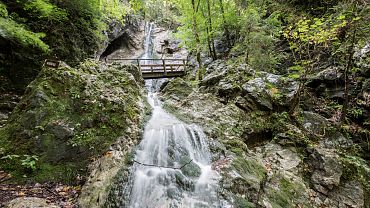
(191, 170)
(326, 169)
(178, 89)
(329, 83)
(226, 89)
(69, 116)
(268, 90)
(134, 70)
(30, 202)
(216, 67)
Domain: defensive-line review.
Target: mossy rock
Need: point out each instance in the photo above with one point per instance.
(286, 193)
(68, 116)
(243, 203)
(191, 169)
(249, 167)
(178, 88)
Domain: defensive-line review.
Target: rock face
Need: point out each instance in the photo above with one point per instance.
(265, 158)
(126, 37)
(69, 116)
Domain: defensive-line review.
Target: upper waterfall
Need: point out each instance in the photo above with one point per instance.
(172, 163)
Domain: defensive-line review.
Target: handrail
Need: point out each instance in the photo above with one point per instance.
(146, 59)
(159, 67)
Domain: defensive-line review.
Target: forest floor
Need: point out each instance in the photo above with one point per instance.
(54, 193)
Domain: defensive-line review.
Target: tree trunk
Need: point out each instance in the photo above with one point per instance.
(226, 28)
(346, 78)
(213, 53)
(196, 34)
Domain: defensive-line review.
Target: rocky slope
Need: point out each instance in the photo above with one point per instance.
(267, 158)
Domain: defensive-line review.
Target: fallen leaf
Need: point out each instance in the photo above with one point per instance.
(21, 194)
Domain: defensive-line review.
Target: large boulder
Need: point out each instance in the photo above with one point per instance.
(268, 90)
(68, 116)
(328, 82)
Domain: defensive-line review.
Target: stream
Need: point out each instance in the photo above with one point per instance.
(172, 165)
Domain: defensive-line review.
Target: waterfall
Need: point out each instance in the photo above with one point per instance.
(172, 165)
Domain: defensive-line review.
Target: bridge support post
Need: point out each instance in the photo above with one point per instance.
(164, 67)
(138, 64)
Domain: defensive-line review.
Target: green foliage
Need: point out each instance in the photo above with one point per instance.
(43, 9)
(3, 11)
(260, 36)
(186, 30)
(29, 162)
(17, 33)
(32, 30)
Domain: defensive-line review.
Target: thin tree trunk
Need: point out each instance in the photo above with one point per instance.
(226, 28)
(196, 34)
(208, 35)
(346, 78)
(209, 43)
(214, 55)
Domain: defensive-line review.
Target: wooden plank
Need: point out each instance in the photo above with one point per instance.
(159, 68)
(150, 65)
(146, 59)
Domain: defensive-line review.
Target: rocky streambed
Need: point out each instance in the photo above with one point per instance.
(266, 158)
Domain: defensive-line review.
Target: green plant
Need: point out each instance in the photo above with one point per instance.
(29, 162)
(355, 112)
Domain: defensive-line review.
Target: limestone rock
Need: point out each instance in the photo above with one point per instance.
(350, 194)
(314, 122)
(30, 202)
(60, 129)
(326, 169)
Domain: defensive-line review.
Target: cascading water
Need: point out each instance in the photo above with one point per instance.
(173, 163)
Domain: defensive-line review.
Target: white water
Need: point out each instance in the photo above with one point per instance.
(168, 142)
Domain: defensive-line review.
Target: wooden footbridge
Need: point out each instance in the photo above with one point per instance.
(157, 68)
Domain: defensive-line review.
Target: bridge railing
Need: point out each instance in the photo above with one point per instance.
(155, 65)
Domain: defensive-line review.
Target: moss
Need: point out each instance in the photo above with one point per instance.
(179, 88)
(356, 168)
(248, 168)
(177, 112)
(243, 203)
(69, 115)
(287, 194)
(236, 146)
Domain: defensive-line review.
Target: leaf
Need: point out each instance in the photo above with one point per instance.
(21, 194)
(341, 17)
